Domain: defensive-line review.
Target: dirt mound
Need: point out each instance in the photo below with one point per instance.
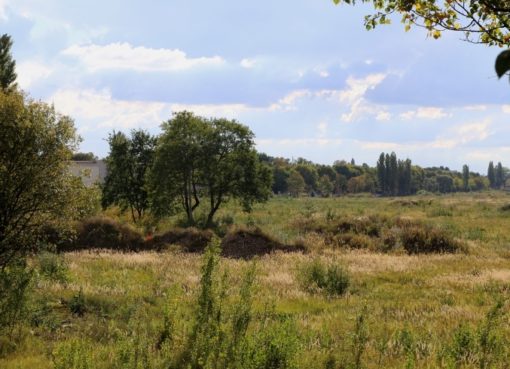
(190, 239)
(247, 243)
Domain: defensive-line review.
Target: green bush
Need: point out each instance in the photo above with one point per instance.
(53, 266)
(331, 279)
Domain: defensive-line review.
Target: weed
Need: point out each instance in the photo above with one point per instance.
(332, 279)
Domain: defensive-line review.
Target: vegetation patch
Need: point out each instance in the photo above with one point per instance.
(331, 279)
(104, 233)
(380, 233)
(246, 243)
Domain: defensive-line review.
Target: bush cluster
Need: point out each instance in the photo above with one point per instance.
(384, 234)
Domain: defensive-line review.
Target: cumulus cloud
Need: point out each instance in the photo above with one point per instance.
(457, 136)
(288, 102)
(125, 56)
(30, 72)
(354, 96)
(102, 110)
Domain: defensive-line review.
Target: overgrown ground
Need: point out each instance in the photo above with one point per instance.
(424, 311)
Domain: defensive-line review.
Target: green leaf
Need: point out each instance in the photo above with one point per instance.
(503, 63)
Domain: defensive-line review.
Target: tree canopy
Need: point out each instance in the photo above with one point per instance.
(128, 162)
(481, 21)
(36, 144)
(211, 160)
(7, 64)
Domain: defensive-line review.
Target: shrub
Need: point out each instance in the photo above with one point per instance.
(417, 240)
(77, 304)
(332, 279)
(100, 232)
(52, 266)
(72, 354)
(354, 241)
(15, 283)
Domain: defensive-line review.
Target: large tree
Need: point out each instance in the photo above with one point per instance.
(128, 163)
(480, 21)
(36, 144)
(210, 160)
(7, 64)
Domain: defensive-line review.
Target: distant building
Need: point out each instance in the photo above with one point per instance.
(91, 172)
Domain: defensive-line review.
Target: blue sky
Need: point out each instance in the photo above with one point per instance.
(304, 75)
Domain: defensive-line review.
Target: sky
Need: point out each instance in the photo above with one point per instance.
(304, 75)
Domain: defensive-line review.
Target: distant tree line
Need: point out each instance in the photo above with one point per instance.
(390, 177)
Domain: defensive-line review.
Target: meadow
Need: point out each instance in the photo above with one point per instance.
(401, 309)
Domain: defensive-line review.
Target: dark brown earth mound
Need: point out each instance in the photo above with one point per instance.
(247, 243)
(190, 239)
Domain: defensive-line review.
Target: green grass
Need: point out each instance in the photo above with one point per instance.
(414, 303)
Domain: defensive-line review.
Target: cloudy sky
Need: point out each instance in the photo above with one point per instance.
(304, 75)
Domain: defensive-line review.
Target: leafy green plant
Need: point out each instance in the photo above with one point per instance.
(331, 279)
(53, 266)
(77, 304)
(73, 354)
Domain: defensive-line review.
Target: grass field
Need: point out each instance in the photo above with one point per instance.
(400, 311)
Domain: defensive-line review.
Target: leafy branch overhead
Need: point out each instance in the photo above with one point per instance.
(481, 21)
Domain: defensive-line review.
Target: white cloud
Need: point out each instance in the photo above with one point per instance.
(126, 56)
(248, 63)
(476, 107)
(505, 109)
(424, 113)
(298, 142)
(457, 136)
(31, 71)
(100, 107)
(3, 10)
(354, 96)
(357, 88)
(288, 102)
(229, 111)
(383, 116)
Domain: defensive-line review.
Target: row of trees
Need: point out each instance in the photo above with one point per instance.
(390, 177)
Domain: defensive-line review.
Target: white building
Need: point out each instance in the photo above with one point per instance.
(91, 172)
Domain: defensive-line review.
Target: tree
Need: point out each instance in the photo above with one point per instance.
(444, 183)
(325, 186)
(211, 159)
(491, 175)
(500, 176)
(296, 183)
(465, 178)
(381, 173)
(481, 21)
(7, 64)
(309, 174)
(128, 162)
(36, 144)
